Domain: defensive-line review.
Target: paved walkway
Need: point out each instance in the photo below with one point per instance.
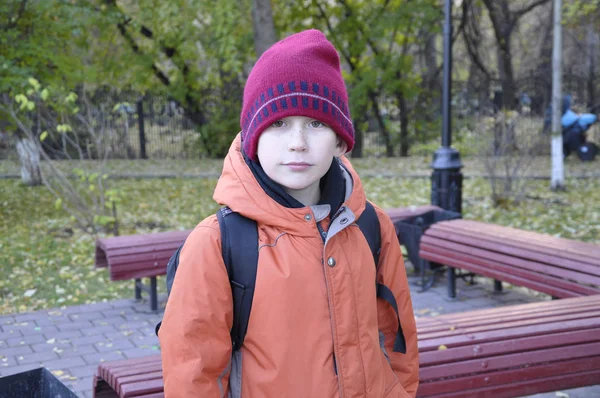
(71, 341)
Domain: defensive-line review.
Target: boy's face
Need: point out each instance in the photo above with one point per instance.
(297, 151)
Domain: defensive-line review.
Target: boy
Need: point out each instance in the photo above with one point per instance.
(317, 327)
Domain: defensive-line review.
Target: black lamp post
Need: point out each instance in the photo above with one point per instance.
(446, 180)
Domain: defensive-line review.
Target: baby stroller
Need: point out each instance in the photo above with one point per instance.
(574, 128)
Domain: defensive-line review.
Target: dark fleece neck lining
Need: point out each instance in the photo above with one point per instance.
(332, 185)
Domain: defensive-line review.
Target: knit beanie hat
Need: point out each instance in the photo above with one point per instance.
(298, 76)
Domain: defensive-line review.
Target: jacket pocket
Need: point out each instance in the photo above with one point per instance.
(394, 389)
(391, 383)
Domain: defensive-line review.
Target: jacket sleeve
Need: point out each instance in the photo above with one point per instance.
(194, 335)
(392, 273)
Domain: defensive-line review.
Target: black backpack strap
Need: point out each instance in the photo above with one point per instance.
(171, 270)
(368, 222)
(239, 243)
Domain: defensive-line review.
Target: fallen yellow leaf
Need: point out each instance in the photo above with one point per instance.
(442, 347)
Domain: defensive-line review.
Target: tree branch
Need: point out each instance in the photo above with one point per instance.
(519, 13)
(13, 22)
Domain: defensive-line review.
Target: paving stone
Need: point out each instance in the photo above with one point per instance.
(144, 341)
(66, 336)
(87, 307)
(19, 350)
(37, 357)
(95, 359)
(139, 352)
(24, 340)
(83, 371)
(31, 316)
(18, 369)
(82, 384)
(64, 363)
(35, 329)
(77, 351)
(45, 346)
(74, 326)
(123, 303)
(124, 334)
(98, 330)
(135, 325)
(47, 321)
(118, 312)
(87, 316)
(6, 320)
(85, 340)
(6, 361)
(113, 320)
(107, 346)
(10, 334)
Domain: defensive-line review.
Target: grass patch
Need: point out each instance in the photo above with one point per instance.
(413, 165)
(46, 263)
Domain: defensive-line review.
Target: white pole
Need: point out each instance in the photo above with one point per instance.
(558, 171)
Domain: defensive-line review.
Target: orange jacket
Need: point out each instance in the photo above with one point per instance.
(305, 315)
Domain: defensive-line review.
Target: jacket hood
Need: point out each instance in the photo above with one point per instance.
(238, 189)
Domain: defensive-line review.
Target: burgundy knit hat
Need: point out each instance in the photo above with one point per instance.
(297, 76)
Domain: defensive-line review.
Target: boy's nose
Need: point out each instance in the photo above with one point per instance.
(297, 141)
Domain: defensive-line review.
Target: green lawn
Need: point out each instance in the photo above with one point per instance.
(46, 263)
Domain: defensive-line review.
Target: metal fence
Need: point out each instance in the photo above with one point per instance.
(156, 127)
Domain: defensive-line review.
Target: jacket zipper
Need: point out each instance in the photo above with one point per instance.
(323, 235)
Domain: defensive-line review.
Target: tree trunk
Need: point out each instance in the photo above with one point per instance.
(262, 23)
(433, 81)
(507, 76)
(592, 39)
(29, 158)
(357, 150)
(385, 134)
(404, 141)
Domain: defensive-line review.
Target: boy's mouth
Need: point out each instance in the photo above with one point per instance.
(297, 166)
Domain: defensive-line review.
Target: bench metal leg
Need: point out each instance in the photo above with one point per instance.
(451, 283)
(153, 294)
(138, 289)
(497, 286)
(151, 290)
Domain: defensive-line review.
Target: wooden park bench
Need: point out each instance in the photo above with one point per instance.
(555, 266)
(501, 352)
(146, 255)
(139, 256)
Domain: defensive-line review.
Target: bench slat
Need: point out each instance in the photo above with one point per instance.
(521, 328)
(493, 315)
(483, 382)
(507, 277)
(580, 275)
(503, 271)
(559, 245)
(142, 388)
(481, 350)
(524, 247)
(147, 379)
(500, 362)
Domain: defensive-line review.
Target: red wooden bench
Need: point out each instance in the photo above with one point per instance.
(139, 256)
(146, 255)
(555, 266)
(502, 352)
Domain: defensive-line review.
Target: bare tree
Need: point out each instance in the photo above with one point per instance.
(263, 27)
(504, 20)
(80, 132)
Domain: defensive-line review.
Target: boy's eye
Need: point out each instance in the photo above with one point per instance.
(316, 124)
(278, 123)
